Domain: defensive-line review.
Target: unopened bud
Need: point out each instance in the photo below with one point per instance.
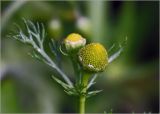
(74, 41)
(93, 57)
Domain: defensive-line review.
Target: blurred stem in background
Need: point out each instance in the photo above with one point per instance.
(10, 11)
(97, 12)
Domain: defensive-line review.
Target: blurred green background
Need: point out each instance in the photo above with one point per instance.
(130, 84)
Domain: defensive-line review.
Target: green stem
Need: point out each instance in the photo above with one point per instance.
(83, 96)
(82, 105)
(75, 67)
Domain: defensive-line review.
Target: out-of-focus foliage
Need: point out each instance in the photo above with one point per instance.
(130, 84)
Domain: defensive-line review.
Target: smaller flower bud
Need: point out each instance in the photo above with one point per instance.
(74, 41)
(93, 57)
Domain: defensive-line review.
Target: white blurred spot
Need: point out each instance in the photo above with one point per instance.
(55, 24)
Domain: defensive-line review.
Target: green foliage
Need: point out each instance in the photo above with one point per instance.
(119, 49)
(124, 80)
(36, 36)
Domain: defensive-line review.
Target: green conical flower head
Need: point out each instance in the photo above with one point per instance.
(93, 57)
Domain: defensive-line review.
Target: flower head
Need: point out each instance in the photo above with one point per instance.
(74, 41)
(93, 57)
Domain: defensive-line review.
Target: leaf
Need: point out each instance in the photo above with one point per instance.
(64, 85)
(91, 84)
(60, 48)
(110, 49)
(91, 93)
(115, 55)
(37, 56)
(69, 92)
(35, 38)
(52, 47)
(92, 81)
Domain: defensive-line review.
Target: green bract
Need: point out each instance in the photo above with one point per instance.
(93, 57)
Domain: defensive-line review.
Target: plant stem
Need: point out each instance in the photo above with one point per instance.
(76, 68)
(10, 11)
(82, 105)
(82, 98)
